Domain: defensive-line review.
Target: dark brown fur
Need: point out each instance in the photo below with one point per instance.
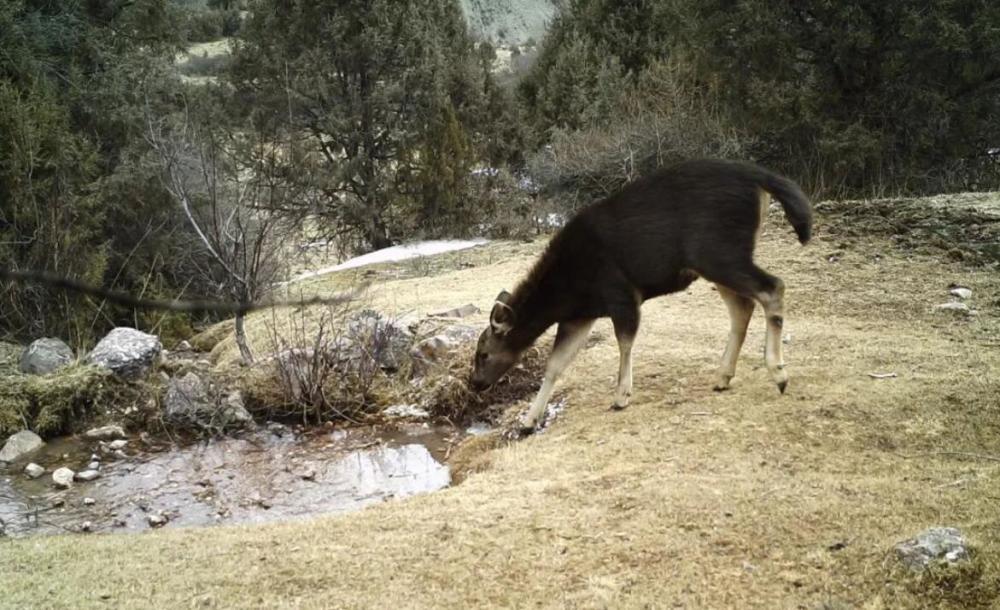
(656, 236)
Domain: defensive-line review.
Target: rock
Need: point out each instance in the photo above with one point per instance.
(961, 292)
(183, 346)
(126, 352)
(157, 520)
(462, 333)
(445, 343)
(89, 501)
(20, 444)
(104, 433)
(189, 401)
(405, 412)
(187, 398)
(94, 466)
(87, 527)
(372, 335)
(87, 475)
(45, 356)
(33, 471)
(118, 445)
(63, 477)
(955, 307)
(234, 411)
(935, 545)
(459, 312)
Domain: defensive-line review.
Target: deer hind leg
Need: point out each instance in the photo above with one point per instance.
(740, 311)
(750, 281)
(570, 337)
(773, 302)
(626, 325)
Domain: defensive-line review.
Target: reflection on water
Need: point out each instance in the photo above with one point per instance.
(266, 476)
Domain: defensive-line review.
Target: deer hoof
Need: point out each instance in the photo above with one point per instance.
(782, 385)
(722, 384)
(618, 407)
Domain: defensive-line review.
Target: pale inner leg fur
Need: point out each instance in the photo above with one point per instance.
(569, 339)
(774, 310)
(740, 311)
(624, 391)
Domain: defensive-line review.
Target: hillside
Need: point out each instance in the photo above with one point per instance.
(689, 497)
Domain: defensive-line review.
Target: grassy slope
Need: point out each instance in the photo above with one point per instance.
(689, 497)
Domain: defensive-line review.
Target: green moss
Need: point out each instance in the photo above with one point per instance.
(58, 403)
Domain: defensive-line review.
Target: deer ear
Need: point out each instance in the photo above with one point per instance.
(502, 316)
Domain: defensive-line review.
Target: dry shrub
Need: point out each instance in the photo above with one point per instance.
(447, 395)
(655, 122)
(335, 367)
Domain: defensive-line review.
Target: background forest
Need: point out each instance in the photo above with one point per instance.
(178, 148)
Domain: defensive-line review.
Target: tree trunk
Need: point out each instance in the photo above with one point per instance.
(241, 339)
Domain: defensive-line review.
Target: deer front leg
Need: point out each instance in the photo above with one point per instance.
(624, 391)
(570, 337)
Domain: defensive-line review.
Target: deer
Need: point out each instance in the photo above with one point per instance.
(656, 236)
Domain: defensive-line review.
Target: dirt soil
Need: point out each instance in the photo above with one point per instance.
(687, 499)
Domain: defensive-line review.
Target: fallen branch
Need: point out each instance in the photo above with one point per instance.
(120, 298)
(883, 375)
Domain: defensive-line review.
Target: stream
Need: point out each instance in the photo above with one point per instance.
(271, 474)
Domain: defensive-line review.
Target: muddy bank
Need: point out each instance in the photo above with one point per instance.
(272, 474)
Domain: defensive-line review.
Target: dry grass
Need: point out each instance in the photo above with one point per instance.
(687, 499)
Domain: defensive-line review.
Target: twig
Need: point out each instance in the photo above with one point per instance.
(882, 375)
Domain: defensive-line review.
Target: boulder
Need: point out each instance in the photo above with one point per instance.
(19, 445)
(961, 292)
(445, 343)
(234, 410)
(934, 546)
(374, 336)
(126, 352)
(33, 471)
(45, 356)
(63, 477)
(118, 444)
(188, 400)
(104, 433)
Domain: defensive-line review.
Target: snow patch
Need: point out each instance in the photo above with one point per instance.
(397, 253)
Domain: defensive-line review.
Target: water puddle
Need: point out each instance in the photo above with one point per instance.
(273, 474)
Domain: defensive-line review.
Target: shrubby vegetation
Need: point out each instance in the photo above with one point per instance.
(381, 121)
(849, 97)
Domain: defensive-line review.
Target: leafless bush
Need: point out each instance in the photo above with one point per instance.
(329, 365)
(656, 122)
